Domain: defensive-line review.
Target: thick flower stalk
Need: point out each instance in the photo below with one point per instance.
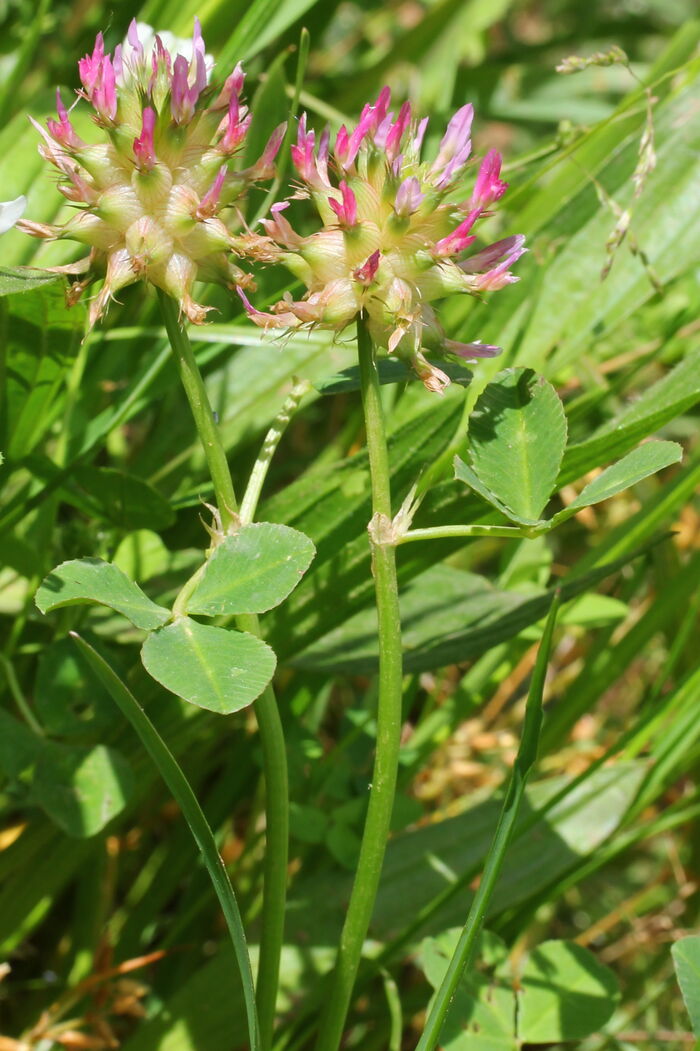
(395, 236)
(156, 197)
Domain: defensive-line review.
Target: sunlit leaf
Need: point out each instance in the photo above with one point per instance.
(213, 668)
(92, 580)
(253, 570)
(565, 994)
(640, 463)
(517, 435)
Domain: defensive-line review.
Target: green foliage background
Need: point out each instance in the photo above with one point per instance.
(101, 460)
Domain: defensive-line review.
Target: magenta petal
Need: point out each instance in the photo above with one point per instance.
(489, 187)
(408, 197)
(472, 350)
(144, 149)
(396, 131)
(210, 202)
(366, 273)
(492, 254)
(419, 135)
(347, 209)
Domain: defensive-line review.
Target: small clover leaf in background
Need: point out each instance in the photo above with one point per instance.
(482, 1014)
(252, 571)
(81, 789)
(123, 499)
(517, 437)
(307, 824)
(68, 696)
(565, 994)
(222, 671)
(562, 994)
(92, 580)
(686, 960)
(19, 746)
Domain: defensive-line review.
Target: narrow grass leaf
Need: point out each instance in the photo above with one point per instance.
(17, 279)
(431, 604)
(524, 761)
(671, 396)
(178, 784)
(686, 960)
(390, 370)
(252, 30)
(123, 499)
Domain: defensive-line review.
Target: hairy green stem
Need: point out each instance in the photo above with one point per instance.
(383, 787)
(201, 410)
(451, 531)
(265, 708)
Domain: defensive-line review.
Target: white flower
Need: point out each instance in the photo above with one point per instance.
(176, 45)
(10, 212)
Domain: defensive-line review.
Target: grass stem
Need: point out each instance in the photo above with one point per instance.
(525, 760)
(185, 798)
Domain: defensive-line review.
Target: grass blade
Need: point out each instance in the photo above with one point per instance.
(178, 784)
(525, 759)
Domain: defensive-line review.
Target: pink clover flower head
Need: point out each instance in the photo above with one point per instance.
(99, 82)
(264, 167)
(395, 233)
(236, 124)
(488, 277)
(158, 187)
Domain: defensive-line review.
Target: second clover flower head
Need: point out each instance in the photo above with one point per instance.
(395, 236)
(157, 196)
